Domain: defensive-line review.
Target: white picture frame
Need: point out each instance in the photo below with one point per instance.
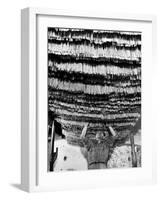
(31, 172)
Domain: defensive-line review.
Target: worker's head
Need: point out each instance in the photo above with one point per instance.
(99, 136)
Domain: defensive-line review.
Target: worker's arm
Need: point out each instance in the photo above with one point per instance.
(113, 132)
(84, 131)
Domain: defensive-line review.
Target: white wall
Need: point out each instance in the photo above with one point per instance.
(10, 97)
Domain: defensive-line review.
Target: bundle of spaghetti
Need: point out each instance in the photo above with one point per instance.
(94, 76)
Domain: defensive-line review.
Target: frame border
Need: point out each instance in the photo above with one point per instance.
(29, 168)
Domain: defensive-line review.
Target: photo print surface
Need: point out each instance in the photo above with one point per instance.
(94, 99)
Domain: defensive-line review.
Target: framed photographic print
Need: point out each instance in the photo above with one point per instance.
(86, 99)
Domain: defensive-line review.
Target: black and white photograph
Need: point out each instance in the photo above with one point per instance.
(94, 99)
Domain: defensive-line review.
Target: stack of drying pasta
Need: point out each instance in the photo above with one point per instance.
(94, 76)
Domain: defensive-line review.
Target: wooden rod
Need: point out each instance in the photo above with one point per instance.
(133, 153)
